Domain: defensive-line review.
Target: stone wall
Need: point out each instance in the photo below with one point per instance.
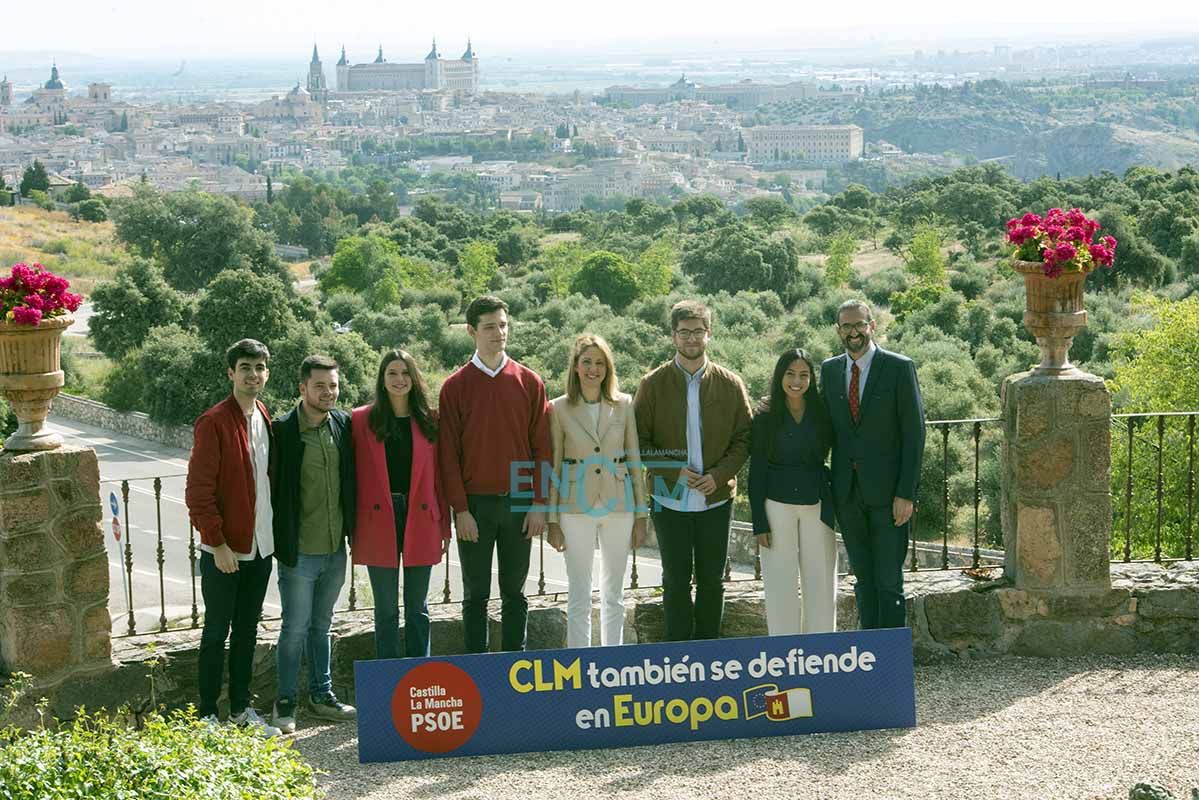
(54, 619)
(131, 423)
(1150, 608)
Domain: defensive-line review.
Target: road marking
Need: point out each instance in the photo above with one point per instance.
(145, 573)
(174, 462)
(150, 492)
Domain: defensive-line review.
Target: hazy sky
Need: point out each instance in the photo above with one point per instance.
(155, 28)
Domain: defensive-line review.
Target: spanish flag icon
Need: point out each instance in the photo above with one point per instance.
(791, 704)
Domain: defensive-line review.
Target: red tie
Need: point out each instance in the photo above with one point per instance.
(855, 406)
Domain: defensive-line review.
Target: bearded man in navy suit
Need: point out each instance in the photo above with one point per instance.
(878, 443)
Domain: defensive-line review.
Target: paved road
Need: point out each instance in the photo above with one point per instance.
(82, 315)
(139, 461)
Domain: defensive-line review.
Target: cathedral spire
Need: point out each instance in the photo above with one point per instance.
(379, 58)
(315, 58)
(469, 55)
(341, 62)
(433, 53)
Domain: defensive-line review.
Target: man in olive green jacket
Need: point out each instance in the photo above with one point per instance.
(693, 422)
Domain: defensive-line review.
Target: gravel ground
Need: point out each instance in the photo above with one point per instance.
(999, 728)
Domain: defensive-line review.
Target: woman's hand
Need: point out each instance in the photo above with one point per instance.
(764, 540)
(556, 537)
(640, 532)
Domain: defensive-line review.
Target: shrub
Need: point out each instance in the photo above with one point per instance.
(344, 306)
(174, 756)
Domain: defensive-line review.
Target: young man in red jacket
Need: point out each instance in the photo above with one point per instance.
(494, 426)
(229, 499)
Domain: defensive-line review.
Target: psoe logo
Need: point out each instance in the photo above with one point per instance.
(436, 707)
(768, 701)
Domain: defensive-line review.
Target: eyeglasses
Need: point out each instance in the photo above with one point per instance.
(686, 333)
(853, 327)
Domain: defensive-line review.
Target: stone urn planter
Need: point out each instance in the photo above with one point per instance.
(30, 378)
(1054, 314)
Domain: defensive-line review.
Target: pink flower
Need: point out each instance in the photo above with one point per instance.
(1065, 251)
(26, 316)
(35, 301)
(1109, 241)
(1075, 234)
(1030, 219)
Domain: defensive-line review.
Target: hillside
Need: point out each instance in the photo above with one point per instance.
(85, 253)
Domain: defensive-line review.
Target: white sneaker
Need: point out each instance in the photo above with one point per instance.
(284, 715)
(251, 720)
(212, 722)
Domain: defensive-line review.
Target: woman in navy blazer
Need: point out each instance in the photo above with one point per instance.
(400, 510)
(791, 500)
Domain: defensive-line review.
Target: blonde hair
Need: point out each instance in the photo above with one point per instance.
(574, 389)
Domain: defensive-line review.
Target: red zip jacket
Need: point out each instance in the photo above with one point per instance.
(220, 478)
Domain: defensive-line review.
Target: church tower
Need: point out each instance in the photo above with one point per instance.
(470, 58)
(317, 87)
(5, 92)
(343, 72)
(433, 69)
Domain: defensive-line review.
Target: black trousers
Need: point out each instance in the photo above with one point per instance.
(688, 539)
(876, 550)
(232, 601)
(499, 530)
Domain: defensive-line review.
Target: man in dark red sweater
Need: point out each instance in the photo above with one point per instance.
(494, 424)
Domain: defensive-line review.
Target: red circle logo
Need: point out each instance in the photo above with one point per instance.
(436, 707)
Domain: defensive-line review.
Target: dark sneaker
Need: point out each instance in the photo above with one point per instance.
(330, 708)
(284, 717)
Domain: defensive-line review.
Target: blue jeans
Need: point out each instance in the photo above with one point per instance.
(385, 586)
(308, 592)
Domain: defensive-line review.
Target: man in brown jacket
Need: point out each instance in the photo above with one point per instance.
(693, 422)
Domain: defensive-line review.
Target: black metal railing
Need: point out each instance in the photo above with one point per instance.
(1155, 454)
(955, 519)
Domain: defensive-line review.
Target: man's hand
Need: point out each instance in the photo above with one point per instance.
(556, 537)
(704, 484)
(466, 527)
(445, 546)
(225, 560)
(764, 540)
(534, 524)
(640, 532)
(901, 510)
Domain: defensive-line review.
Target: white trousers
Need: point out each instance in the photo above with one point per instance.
(802, 548)
(581, 531)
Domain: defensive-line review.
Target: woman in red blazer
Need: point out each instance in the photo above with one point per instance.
(400, 510)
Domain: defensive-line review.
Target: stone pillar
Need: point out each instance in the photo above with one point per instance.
(54, 619)
(1056, 508)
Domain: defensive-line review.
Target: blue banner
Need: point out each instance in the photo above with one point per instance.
(415, 708)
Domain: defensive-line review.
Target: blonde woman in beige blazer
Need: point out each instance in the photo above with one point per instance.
(598, 492)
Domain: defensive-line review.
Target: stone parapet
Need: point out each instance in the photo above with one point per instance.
(131, 423)
(54, 619)
(1056, 502)
(1150, 608)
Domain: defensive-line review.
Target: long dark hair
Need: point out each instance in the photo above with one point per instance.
(382, 420)
(774, 406)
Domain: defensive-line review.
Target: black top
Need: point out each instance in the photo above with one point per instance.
(399, 458)
(789, 469)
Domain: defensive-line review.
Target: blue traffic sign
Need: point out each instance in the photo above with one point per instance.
(112, 503)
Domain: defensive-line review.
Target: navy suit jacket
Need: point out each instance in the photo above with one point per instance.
(887, 444)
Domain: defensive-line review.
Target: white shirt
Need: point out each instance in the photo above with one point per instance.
(863, 369)
(488, 371)
(593, 409)
(260, 452)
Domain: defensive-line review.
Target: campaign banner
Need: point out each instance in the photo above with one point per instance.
(569, 699)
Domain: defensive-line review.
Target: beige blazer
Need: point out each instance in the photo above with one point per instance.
(595, 470)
